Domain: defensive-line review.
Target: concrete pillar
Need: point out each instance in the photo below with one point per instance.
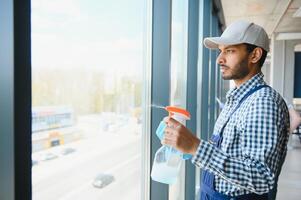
(283, 66)
(277, 64)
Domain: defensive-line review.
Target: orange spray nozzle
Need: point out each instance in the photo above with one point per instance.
(176, 110)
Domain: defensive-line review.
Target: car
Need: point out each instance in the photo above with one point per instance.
(102, 180)
(34, 162)
(104, 126)
(113, 128)
(68, 150)
(48, 156)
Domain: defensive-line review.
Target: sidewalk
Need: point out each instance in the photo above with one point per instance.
(289, 186)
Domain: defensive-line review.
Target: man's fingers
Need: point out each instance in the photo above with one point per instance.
(171, 132)
(168, 141)
(166, 119)
(172, 122)
(168, 129)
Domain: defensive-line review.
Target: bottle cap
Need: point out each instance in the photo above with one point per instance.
(176, 110)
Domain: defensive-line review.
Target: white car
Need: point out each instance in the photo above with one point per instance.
(68, 150)
(102, 180)
(48, 156)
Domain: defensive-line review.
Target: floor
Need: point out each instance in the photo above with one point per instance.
(289, 187)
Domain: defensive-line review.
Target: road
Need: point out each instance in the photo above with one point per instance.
(70, 176)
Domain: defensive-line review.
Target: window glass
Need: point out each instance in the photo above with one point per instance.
(87, 64)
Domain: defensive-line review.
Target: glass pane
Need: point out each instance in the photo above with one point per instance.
(87, 64)
(179, 74)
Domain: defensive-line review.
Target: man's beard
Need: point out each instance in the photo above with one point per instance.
(238, 72)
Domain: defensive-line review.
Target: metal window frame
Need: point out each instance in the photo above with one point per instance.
(203, 70)
(217, 77)
(213, 69)
(160, 81)
(15, 107)
(202, 82)
(191, 100)
(7, 107)
(197, 79)
(15, 79)
(22, 99)
(146, 101)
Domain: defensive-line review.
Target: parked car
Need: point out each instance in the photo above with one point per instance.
(34, 162)
(68, 150)
(102, 180)
(48, 156)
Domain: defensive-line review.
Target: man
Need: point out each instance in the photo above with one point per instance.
(244, 156)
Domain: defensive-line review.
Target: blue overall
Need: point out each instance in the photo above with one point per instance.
(207, 188)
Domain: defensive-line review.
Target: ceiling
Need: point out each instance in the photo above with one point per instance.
(276, 16)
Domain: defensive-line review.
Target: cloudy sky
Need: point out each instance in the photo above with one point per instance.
(98, 34)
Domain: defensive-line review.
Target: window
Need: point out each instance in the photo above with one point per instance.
(179, 37)
(87, 64)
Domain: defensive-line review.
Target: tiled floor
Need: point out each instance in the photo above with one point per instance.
(289, 187)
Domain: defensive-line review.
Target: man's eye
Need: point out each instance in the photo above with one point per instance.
(229, 51)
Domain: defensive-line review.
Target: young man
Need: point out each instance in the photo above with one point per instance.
(244, 156)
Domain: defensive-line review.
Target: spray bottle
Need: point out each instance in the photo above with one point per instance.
(168, 161)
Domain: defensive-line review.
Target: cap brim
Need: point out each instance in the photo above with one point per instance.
(213, 42)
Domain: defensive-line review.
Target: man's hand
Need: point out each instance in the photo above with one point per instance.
(179, 137)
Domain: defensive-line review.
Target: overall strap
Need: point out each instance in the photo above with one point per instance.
(240, 102)
(246, 96)
(208, 178)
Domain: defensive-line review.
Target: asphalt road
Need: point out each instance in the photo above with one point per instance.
(70, 176)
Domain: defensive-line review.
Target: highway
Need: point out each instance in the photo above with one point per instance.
(70, 176)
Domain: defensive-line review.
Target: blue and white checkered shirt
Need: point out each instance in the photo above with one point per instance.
(254, 141)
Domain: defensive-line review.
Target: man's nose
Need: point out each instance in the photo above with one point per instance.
(220, 59)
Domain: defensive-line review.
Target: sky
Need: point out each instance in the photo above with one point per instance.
(93, 34)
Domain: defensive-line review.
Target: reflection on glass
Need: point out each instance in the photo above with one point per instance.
(87, 62)
(179, 74)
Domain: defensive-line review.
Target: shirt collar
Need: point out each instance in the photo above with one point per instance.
(236, 94)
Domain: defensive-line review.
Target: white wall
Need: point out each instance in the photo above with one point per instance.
(282, 66)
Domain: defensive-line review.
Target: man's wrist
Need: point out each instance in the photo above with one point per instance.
(195, 145)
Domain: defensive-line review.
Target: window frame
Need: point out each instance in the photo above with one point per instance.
(15, 85)
(15, 115)
(160, 81)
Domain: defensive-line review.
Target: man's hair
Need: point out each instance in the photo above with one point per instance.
(251, 47)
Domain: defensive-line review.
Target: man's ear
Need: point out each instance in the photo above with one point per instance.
(256, 55)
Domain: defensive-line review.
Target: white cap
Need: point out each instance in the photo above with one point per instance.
(240, 32)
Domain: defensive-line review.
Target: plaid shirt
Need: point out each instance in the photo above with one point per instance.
(254, 141)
